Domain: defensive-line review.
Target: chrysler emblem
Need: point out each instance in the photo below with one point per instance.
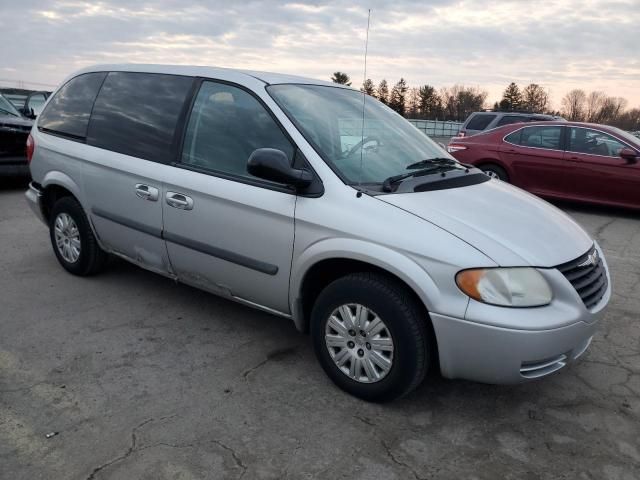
(592, 259)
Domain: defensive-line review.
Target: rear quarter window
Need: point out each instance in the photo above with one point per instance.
(137, 113)
(479, 122)
(68, 112)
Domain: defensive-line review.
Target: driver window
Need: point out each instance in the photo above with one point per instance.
(594, 142)
(226, 125)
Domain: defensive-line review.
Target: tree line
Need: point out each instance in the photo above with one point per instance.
(457, 102)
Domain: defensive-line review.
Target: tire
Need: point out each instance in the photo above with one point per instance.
(495, 171)
(83, 256)
(405, 328)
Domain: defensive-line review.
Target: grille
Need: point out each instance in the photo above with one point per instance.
(588, 276)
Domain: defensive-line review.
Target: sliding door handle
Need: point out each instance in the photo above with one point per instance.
(146, 192)
(179, 200)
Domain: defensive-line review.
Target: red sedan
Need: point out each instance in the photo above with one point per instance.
(568, 160)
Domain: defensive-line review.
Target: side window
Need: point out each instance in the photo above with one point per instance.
(479, 121)
(541, 137)
(226, 125)
(509, 119)
(514, 137)
(69, 110)
(137, 113)
(593, 142)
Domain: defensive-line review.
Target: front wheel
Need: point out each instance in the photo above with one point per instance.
(370, 336)
(495, 171)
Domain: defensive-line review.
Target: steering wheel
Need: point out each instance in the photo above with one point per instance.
(362, 144)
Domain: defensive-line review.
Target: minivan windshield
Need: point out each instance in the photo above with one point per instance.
(332, 120)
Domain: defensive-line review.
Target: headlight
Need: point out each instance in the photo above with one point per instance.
(507, 287)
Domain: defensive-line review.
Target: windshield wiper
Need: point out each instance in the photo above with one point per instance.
(432, 161)
(386, 185)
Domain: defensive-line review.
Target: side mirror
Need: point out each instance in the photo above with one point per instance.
(271, 164)
(630, 155)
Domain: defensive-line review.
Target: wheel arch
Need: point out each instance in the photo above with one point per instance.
(330, 259)
(55, 186)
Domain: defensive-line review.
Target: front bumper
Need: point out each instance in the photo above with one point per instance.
(489, 354)
(34, 199)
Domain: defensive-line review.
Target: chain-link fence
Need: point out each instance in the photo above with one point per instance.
(437, 128)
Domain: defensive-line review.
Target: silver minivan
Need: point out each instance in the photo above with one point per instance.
(312, 201)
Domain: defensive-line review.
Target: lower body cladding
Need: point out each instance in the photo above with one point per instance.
(497, 355)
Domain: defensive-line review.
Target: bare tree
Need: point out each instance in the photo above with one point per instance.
(629, 120)
(574, 105)
(535, 98)
(413, 103)
(459, 101)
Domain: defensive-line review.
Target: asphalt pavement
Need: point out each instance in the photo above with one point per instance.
(128, 375)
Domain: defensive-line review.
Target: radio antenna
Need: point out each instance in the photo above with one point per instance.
(364, 98)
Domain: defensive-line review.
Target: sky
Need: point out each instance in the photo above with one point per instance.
(561, 45)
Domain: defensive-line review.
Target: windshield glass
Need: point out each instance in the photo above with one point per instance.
(332, 120)
(6, 108)
(632, 139)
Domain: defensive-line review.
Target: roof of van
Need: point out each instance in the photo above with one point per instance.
(204, 71)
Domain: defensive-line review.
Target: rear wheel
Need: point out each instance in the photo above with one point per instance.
(370, 336)
(72, 239)
(495, 171)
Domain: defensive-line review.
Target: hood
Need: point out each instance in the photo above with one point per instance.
(509, 225)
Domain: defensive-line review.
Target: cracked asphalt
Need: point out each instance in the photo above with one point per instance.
(145, 379)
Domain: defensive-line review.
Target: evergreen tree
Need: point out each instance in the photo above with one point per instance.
(368, 87)
(430, 103)
(535, 98)
(383, 92)
(398, 96)
(512, 98)
(341, 78)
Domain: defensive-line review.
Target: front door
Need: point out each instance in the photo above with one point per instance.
(227, 231)
(600, 173)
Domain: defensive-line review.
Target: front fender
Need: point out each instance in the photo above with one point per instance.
(380, 256)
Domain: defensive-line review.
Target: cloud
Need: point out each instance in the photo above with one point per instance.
(586, 44)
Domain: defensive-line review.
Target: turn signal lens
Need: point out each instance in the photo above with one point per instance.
(506, 287)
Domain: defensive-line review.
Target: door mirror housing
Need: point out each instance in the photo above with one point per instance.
(630, 155)
(274, 165)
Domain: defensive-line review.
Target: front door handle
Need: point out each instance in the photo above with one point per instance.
(179, 200)
(146, 192)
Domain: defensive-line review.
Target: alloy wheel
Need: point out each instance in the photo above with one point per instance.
(67, 237)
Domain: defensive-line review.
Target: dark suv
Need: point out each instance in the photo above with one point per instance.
(479, 121)
(14, 130)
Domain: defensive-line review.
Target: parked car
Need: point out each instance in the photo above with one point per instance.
(14, 130)
(481, 121)
(239, 183)
(569, 160)
(28, 102)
